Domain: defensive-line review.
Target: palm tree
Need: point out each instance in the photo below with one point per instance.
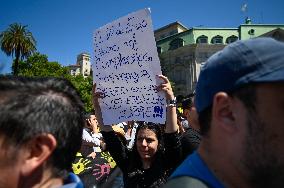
(18, 41)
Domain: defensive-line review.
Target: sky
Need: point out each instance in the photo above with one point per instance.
(64, 28)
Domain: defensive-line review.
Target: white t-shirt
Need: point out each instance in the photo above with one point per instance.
(130, 138)
(93, 138)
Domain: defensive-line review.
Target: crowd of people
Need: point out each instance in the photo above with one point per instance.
(228, 133)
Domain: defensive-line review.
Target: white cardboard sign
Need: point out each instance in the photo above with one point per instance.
(125, 66)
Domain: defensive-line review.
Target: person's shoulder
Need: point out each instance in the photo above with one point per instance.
(185, 182)
(72, 181)
(191, 135)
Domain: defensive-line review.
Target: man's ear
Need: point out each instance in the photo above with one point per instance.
(223, 112)
(37, 152)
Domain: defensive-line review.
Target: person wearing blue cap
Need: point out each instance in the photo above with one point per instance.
(240, 105)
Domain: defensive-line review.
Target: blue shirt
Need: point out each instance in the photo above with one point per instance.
(195, 167)
(72, 181)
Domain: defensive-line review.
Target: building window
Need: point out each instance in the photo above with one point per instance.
(86, 58)
(86, 73)
(159, 49)
(217, 40)
(251, 32)
(231, 39)
(202, 39)
(176, 43)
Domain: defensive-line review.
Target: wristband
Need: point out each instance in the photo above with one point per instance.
(172, 102)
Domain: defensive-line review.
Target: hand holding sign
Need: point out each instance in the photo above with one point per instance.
(166, 87)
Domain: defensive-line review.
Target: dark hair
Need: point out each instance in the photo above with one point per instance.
(204, 118)
(247, 94)
(187, 103)
(179, 98)
(158, 130)
(37, 106)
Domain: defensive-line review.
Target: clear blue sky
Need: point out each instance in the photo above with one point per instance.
(63, 28)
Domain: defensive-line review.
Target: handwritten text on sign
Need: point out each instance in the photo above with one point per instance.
(125, 67)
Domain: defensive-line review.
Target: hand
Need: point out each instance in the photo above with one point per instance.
(166, 87)
(92, 121)
(98, 112)
(96, 96)
(93, 155)
(130, 124)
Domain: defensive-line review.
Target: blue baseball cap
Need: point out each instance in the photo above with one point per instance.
(242, 62)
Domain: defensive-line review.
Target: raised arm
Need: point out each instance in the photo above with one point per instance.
(98, 112)
(115, 147)
(171, 116)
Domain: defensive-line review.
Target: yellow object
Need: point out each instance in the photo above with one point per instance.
(118, 129)
(81, 165)
(180, 110)
(109, 159)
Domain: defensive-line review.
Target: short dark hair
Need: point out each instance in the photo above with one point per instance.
(187, 102)
(37, 106)
(247, 94)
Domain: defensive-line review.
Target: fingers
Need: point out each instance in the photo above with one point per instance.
(95, 96)
(164, 78)
(94, 87)
(98, 94)
(89, 121)
(164, 87)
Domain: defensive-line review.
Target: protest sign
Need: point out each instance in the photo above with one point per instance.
(125, 66)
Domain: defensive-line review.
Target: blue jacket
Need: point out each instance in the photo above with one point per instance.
(195, 167)
(72, 181)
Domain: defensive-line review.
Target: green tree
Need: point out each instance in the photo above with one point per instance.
(17, 41)
(38, 65)
(84, 86)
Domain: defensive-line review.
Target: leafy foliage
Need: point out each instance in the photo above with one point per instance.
(84, 86)
(17, 41)
(38, 65)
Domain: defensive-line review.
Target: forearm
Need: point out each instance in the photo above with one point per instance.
(171, 120)
(116, 149)
(98, 113)
(173, 148)
(171, 115)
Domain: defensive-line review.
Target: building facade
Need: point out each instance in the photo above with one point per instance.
(183, 51)
(83, 65)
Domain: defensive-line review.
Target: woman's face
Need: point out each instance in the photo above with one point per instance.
(147, 144)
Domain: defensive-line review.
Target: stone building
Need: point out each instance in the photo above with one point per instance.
(183, 50)
(83, 65)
